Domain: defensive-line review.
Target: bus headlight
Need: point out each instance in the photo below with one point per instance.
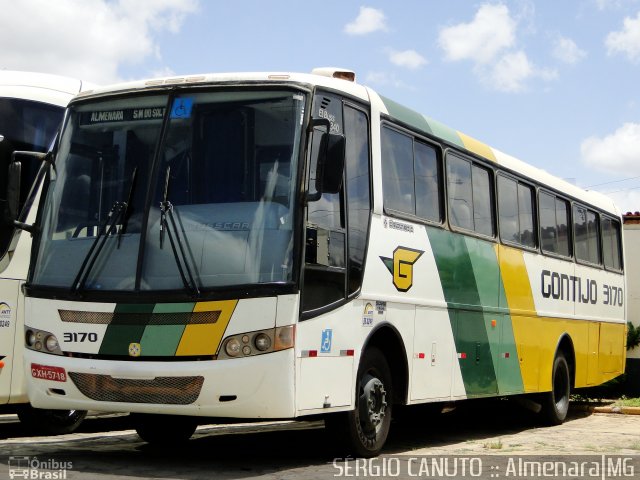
(262, 342)
(257, 343)
(233, 347)
(51, 343)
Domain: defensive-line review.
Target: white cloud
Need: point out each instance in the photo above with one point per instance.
(617, 152)
(489, 41)
(627, 40)
(369, 20)
(87, 39)
(408, 58)
(491, 31)
(511, 71)
(567, 51)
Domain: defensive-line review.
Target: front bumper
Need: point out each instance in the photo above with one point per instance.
(260, 386)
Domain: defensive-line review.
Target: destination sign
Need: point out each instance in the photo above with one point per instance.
(122, 115)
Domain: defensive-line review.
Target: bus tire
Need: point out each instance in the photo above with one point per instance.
(364, 430)
(50, 422)
(163, 429)
(555, 404)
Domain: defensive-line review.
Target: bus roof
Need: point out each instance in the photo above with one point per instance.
(409, 117)
(39, 87)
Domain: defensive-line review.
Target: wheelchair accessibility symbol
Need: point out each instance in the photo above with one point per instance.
(325, 346)
(182, 107)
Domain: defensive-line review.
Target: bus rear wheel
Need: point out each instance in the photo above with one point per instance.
(555, 404)
(163, 429)
(364, 430)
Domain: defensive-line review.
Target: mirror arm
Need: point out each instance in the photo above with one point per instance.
(32, 229)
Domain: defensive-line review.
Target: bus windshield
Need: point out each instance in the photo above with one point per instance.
(173, 192)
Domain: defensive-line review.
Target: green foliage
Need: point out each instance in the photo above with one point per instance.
(633, 336)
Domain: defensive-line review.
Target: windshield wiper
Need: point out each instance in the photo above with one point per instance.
(118, 210)
(166, 211)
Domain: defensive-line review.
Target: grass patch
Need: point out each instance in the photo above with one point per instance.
(635, 446)
(493, 445)
(627, 402)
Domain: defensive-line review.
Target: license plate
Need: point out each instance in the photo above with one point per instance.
(46, 372)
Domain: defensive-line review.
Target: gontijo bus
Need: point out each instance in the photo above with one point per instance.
(287, 245)
(31, 111)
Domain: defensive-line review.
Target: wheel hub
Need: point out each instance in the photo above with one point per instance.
(373, 403)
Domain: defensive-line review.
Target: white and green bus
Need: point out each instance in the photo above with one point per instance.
(289, 245)
(31, 111)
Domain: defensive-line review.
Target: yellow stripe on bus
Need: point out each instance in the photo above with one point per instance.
(204, 339)
(477, 147)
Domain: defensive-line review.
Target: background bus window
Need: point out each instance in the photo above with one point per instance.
(24, 125)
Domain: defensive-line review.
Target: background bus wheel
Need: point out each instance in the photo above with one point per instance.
(51, 422)
(363, 431)
(163, 429)
(555, 404)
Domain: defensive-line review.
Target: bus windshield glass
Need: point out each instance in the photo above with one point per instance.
(187, 191)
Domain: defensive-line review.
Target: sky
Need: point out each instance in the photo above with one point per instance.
(554, 83)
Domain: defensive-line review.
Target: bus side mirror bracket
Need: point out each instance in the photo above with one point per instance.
(14, 178)
(330, 161)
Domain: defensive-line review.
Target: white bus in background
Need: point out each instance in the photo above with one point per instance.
(31, 110)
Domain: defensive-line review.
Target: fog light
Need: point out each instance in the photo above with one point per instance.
(262, 342)
(51, 342)
(232, 347)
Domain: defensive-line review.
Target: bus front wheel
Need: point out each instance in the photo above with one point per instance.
(163, 429)
(363, 431)
(51, 422)
(555, 404)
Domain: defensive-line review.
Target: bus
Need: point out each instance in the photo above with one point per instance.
(31, 111)
(284, 245)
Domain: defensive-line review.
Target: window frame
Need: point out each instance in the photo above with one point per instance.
(492, 193)
(570, 240)
(438, 148)
(581, 261)
(534, 212)
(617, 221)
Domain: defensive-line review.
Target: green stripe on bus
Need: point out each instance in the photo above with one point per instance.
(444, 132)
(127, 326)
(406, 115)
(161, 340)
(504, 354)
(455, 256)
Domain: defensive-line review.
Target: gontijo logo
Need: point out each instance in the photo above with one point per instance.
(401, 266)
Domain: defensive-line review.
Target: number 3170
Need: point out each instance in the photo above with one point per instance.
(80, 337)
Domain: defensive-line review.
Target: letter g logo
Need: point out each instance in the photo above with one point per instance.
(401, 266)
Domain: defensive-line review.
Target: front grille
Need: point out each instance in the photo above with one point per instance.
(120, 318)
(160, 390)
